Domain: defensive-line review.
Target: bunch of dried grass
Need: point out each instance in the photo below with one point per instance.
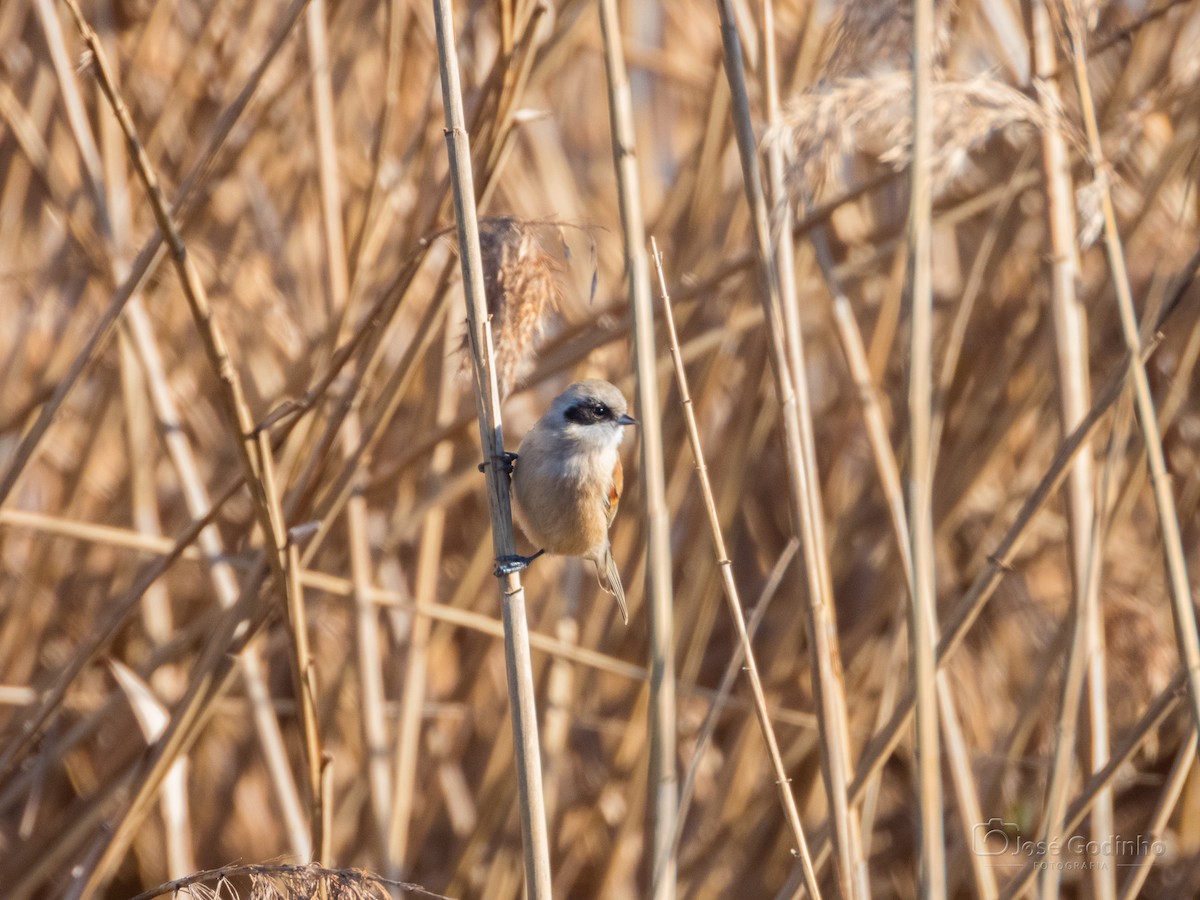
(283, 882)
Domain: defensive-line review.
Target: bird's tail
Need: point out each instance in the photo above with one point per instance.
(610, 580)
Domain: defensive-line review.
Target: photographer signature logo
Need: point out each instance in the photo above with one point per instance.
(1002, 840)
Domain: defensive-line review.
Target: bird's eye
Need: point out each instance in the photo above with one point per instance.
(601, 411)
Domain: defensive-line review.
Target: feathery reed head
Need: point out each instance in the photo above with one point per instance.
(520, 279)
(872, 117)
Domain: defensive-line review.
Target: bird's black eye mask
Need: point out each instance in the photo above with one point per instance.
(588, 413)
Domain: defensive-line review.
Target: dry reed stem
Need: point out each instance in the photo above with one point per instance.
(77, 119)
(161, 756)
(391, 96)
(47, 171)
(255, 449)
(728, 678)
(999, 562)
(791, 389)
(416, 663)
(157, 618)
(962, 315)
(257, 236)
(149, 256)
(923, 623)
(1071, 346)
(32, 725)
(729, 586)
(1164, 499)
(370, 664)
(487, 400)
(664, 779)
(889, 477)
(335, 498)
(962, 778)
(34, 721)
(344, 588)
(152, 718)
(783, 248)
(329, 506)
(224, 582)
(516, 77)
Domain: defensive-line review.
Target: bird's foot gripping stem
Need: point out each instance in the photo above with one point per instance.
(508, 565)
(506, 461)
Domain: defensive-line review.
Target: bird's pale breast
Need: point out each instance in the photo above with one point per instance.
(562, 496)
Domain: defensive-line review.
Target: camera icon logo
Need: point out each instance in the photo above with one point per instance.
(993, 837)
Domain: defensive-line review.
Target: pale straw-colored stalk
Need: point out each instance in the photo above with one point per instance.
(728, 679)
(335, 586)
(664, 780)
(966, 612)
(254, 446)
(732, 600)
(368, 655)
(197, 501)
(804, 482)
(1178, 586)
(1071, 347)
(416, 660)
(147, 259)
(535, 841)
(923, 622)
(962, 776)
(114, 215)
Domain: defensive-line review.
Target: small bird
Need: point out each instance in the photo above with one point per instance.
(567, 480)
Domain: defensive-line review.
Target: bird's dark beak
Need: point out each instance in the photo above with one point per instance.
(627, 420)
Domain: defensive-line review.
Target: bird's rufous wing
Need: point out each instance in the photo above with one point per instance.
(614, 491)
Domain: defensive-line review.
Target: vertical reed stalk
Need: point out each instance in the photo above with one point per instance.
(923, 625)
(147, 259)
(885, 740)
(368, 658)
(804, 482)
(254, 446)
(1071, 346)
(416, 660)
(1160, 479)
(519, 668)
(732, 600)
(664, 781)
(221, 575)
(732, 667)
(889, 478)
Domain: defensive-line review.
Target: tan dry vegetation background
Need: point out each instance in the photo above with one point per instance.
(321, 230)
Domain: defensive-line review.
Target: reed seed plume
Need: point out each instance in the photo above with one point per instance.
(871, 117)
(521, 278)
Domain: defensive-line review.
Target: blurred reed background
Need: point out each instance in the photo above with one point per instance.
(300, 149)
